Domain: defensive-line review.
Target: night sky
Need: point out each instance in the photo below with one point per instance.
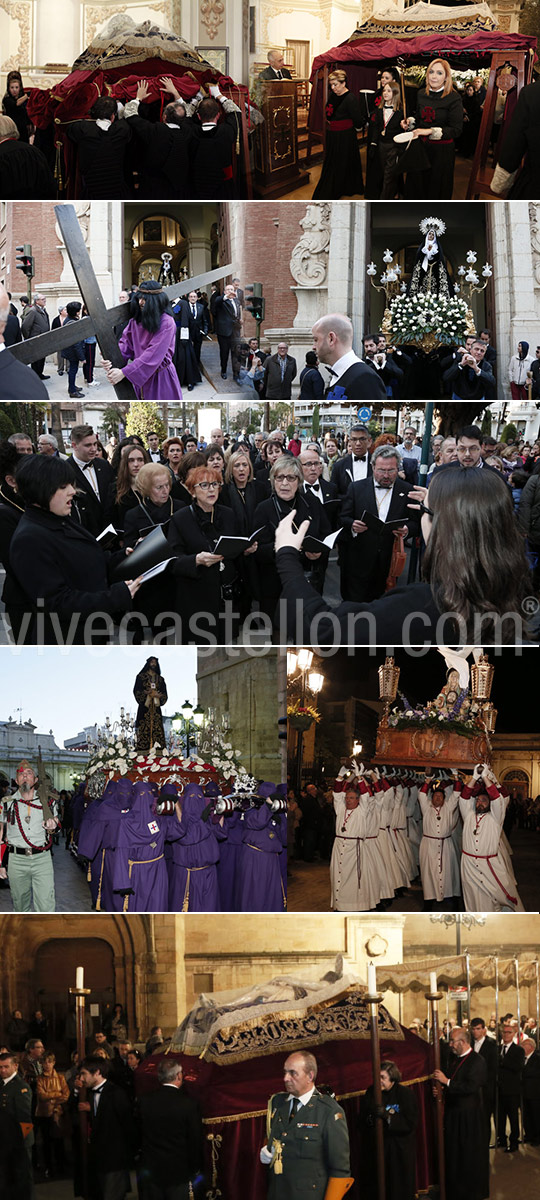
(422, 678)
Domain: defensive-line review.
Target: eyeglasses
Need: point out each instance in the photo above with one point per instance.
(285, 478)
(423, 508)
(204, 486)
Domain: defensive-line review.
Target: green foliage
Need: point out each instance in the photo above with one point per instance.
(111, 419)
(316, 421)
(509, 433)
(280, 415)
(486, 423)
(143, 418)
(289, 430)
(6, 425)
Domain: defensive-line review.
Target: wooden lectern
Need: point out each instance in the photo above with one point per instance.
(276, 166)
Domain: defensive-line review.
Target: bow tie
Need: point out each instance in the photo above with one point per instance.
(87, 466)
(359, 457)
(314, 487)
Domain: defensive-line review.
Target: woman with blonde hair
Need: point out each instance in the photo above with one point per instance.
(439, 123)
(341, 173)
(155, 507)
(242, 493)
(52, 1093)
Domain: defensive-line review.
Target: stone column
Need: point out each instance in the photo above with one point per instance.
(309, 267)
(200, 255)
(517, 290)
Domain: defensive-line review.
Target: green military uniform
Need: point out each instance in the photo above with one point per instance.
(314, 1146)
(16, 1098)
(31, 875)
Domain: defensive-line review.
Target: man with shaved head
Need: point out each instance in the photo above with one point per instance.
(465, 1134)
(298, 1115)
(350, 378)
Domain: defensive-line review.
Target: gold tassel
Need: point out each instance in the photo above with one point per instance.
(277, 1161)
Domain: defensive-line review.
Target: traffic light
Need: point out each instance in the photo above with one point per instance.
(24, 261)
(255, 302)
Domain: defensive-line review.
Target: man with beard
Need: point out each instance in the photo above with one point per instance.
(488, 884)
(29, 839)
(466, 1144)
(350, 378)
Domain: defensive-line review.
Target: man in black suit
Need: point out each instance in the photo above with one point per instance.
(171, 1137)
(111, 1148)
(227, 315)
(471, 377)
(487, 1047)
(17, 382)
(491, 354)
(376, 358)
(511, 1063)
(198, 323)
(164, 169)
(319, 489)
(279, 372)
(466, 1145)
(34, 322)
(351, 379)
(238, 291)
(154, 451)
(356, 465)
(366, 561)
(275, 69)
(102, 151)
(93, 476)
(531, 1093)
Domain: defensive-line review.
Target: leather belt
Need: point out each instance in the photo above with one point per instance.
(31, 850)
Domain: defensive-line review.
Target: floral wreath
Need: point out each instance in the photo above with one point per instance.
(432, 223)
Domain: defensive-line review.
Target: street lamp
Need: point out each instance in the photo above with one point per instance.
(469, 920)
(300, 661)
(182, 722)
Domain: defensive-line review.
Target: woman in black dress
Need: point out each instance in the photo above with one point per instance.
(399, 1116)
(341, 173)
(384, 123)
(60, 567)
(439, 108)
(242, 493)
(155, 506)
(122, 496)
(14, 105)
(206, 582)
(287, 483)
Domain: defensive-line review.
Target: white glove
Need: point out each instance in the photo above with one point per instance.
(358, 768)
(375, 774)
(478, 770)
(342, 771)
(266, 1156)
(214, 91)
(502, 180)
(436, 134)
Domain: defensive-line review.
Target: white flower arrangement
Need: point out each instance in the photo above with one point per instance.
(116, 755)
(415, 316)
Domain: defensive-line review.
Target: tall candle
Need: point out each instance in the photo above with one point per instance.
(372, 979)
(433, 982)
(79, 978)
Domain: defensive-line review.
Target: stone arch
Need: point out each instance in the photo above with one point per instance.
(130, 943)
(518, 781)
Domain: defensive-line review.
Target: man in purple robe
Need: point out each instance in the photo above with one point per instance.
(261, 886)
(148, 342)
(195, 852)
(97, 842)
(139, 873)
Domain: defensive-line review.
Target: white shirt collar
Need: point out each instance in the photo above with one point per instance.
(80, 463)
(478, 1044)
(2, 345)
(104, 124)
(305, 1099)
(343, 364)
(10, 1078)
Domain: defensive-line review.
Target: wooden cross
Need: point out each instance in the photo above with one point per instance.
(100, 320)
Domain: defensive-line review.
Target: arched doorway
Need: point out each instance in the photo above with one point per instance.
(397, 227)
(518, 783)
(153, 237)
(54, 970)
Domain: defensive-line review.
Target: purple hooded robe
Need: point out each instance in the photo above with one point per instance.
(151, 370)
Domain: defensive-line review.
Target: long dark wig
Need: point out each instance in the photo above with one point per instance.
(475, 561)
(155, 304)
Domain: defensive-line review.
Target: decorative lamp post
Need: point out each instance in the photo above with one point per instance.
(299, 669)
